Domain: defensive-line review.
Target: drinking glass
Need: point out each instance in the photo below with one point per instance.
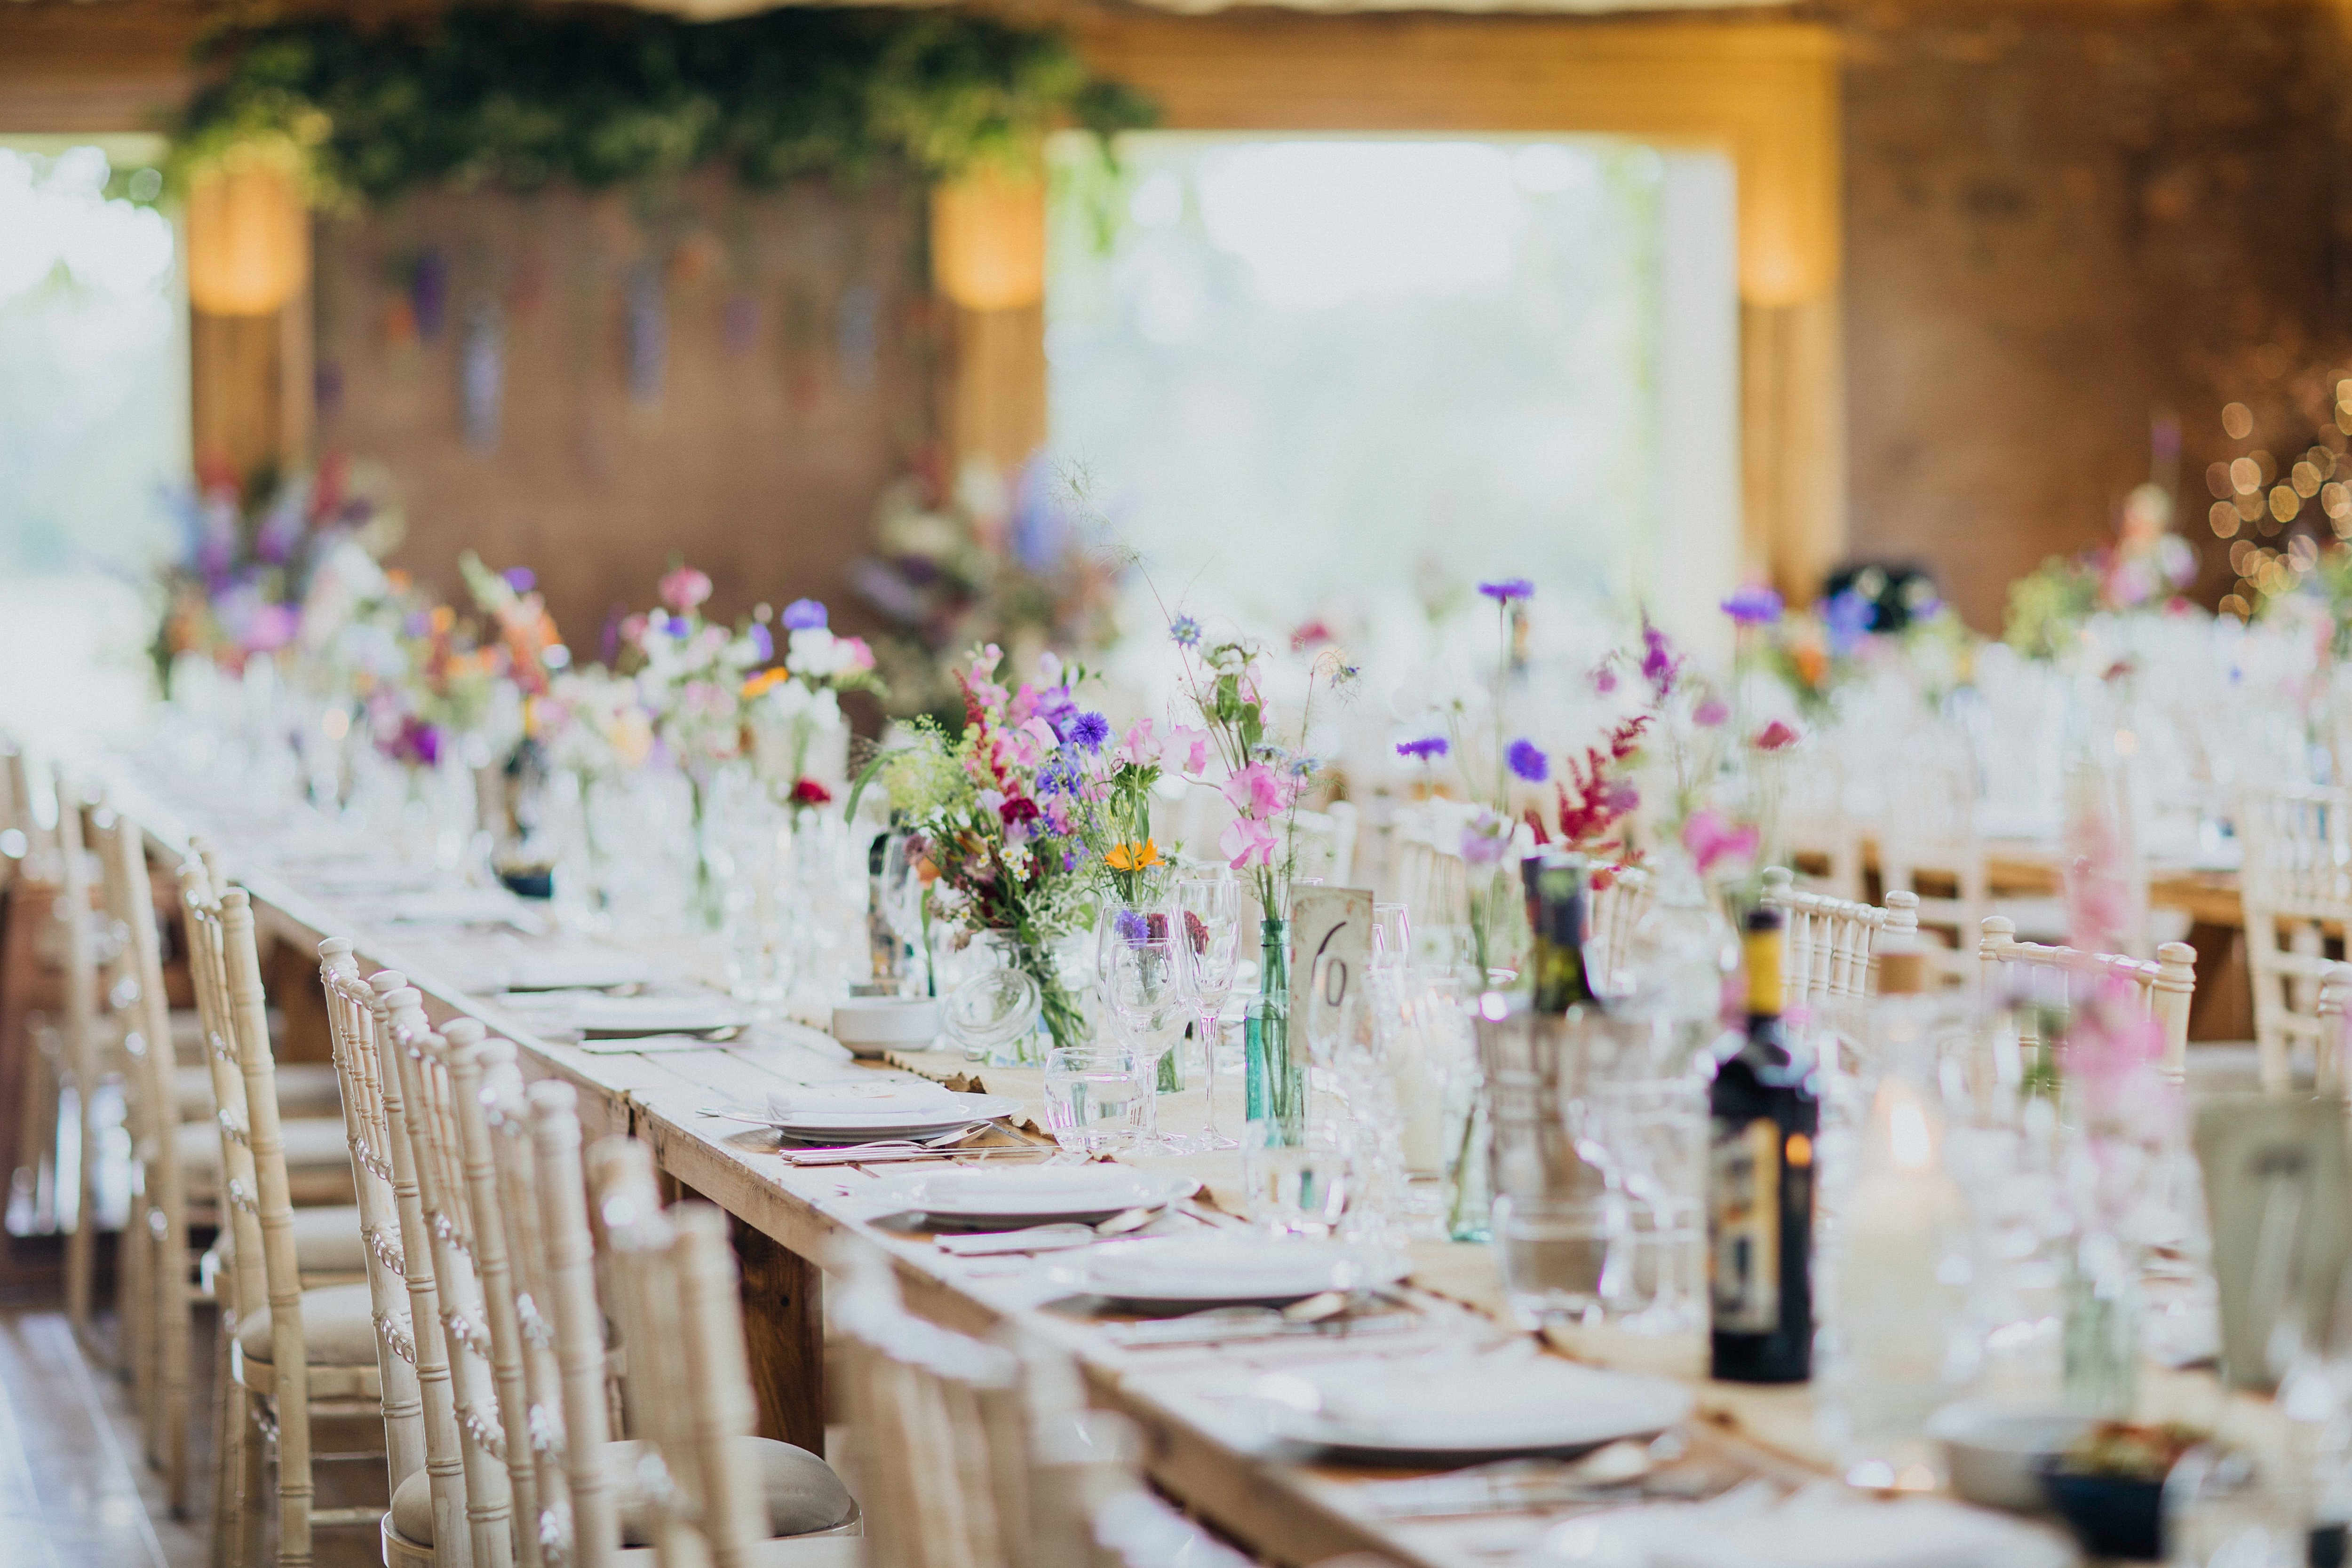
(1143, 991)
(1209, 909)
(1299, 1188)
(903, 895)
(1096, 1097)
(1392, 936)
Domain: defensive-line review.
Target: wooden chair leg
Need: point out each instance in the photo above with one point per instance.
(174, 1347)
(253, 1485)
(228, 1457)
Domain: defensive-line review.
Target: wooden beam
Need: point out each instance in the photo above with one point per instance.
(783, 1328)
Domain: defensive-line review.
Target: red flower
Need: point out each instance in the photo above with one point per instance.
(1778, 736)
(809, 793)
(1018, 808)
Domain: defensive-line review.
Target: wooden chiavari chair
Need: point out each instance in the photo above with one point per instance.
(1825, 956)
(2294, 888)
(2163, 985)
(292, 1354)
(698, 1485)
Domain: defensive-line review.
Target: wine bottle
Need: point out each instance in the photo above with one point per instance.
(1764, 1116)
(1558, 960)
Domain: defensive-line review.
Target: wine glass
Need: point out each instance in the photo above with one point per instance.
(1143, 989)
(902, 894)
(1209, 910)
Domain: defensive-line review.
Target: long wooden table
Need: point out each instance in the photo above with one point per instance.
(791, 1221)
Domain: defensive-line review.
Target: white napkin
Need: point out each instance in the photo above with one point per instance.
(891, 1096)
(1813, 1530)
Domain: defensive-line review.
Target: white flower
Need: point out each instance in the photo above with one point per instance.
(816, 653)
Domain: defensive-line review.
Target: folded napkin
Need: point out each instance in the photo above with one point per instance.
(891, 1096)
(1814, 1530)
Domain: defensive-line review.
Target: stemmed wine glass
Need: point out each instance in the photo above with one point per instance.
(1209, 909)
(1143, 987)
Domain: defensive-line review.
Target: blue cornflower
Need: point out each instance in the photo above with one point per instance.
(1526, 759)
(1185, 631)
(1423, 749)
(804, 615)
(1504, 590)
(1058, 777)
(522, 579)
(1846, 617)
(762, 643)
(1133, 928)
(1753, 607)
(1090, 730)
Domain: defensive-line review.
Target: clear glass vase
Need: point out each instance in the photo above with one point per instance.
(1275, 1089)
(1015, 1003)
(2101, 1336)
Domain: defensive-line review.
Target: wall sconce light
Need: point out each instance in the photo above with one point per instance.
(249, 240)
(988, 240)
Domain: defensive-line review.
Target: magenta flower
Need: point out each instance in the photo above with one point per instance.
(1486, 838)
(1710, 712)
(1778, 736)
(1527, 760)
(1604, 677)
(1659, 665)
(1756, 606)
(1712, 840)
(1257, 792)
(1506, 590)
(1246, 843)
(684, 589)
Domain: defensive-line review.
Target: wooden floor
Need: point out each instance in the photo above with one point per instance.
(74, 1492)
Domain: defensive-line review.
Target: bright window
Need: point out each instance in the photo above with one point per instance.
(1350, 376)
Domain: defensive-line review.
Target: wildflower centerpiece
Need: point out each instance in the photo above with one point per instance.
(995, 818)
(799, 736)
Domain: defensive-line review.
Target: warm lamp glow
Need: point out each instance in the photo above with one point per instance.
(249, 240)
(988, 241)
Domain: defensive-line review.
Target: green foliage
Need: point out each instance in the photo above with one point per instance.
(2048, 606)
(517, 99)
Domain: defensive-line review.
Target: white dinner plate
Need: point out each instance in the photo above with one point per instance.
(594, 1012)
(458, 907)
(1466, 1409)
(872, 1126)
(1231, 1267)
(1008, 1198)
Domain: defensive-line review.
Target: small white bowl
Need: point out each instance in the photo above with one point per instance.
(871, 1026)
(1993, 1450)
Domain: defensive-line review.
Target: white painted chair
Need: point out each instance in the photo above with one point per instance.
(1815, 821)
(293, 1354)
(2295, 887)
(1826, 952)
(2164, 985)
(1326, 843)
(2332, 1073)
(1930, 838)
(1616, 911)
(701, 1486)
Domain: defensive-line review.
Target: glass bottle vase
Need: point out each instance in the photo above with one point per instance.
(1275, 1083)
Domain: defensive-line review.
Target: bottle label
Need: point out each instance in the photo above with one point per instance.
(1744, 1226)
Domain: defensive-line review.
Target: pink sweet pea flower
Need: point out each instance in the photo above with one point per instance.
(1141, 748)
(856, 658)
(1193, 745)
(1712, 840)
(1710, 712)
(1255, 791)
(1778, 736)
(684, 589)
(1246, 843)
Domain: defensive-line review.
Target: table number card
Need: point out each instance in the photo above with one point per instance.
(2275, 1187)
(1337, 921)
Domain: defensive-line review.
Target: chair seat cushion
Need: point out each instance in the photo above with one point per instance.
(327, 1240)
(304, 1088)
(803, 1493)
(338, 1328)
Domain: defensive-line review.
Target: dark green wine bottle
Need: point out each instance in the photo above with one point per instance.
(1765, 1119)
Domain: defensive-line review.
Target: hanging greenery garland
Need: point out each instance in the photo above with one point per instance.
(517, 99)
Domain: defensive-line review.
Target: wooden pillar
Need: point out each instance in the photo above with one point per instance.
(250, 400)
(1792, 442)
(783, 1329)
(996, 395)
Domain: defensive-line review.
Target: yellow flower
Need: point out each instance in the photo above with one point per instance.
(1131, 857)
(764, 681)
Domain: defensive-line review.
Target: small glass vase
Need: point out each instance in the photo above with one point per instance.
(1017, 1006)
(1275, 1091)
(2101, 1336)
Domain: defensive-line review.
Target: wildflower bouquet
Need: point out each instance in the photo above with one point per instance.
(533, 651)
(995, 816)
(792, 706)
(1108, 789)
(691, 673)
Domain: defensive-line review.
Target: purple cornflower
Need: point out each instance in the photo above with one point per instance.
(1185, 631)
(1423, 751)
(522, 579)
(762, 643)
(1756, 606)
(804, 615)
(1504, 590)
(1846, 617)
(1133, 927)
(1090, 730)
(1659, 665)
(1525, 759)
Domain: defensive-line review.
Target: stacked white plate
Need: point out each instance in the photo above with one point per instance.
(871, 1108)
(1484, 1407)
(596, 1013)
(1229, 1269)
(1009, 1198)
